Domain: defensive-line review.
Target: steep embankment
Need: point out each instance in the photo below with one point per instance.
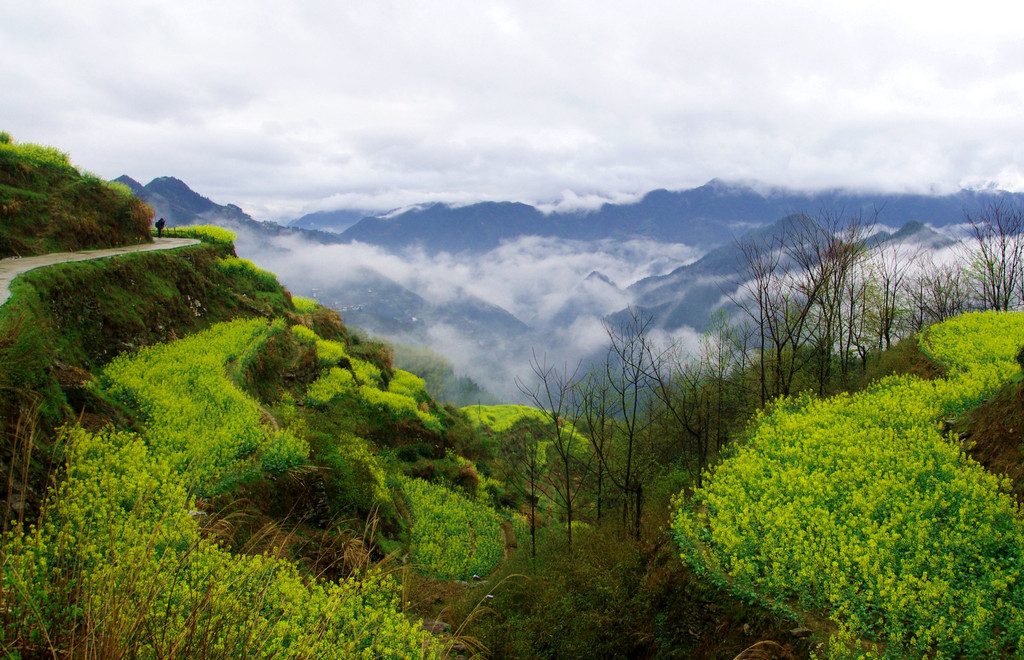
(859, 508)
(994, 434)
(12, 267)
(49, 205)
(219, 414)
(230, 414)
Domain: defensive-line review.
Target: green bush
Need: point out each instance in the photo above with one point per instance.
(331, 383)
(262, 279)
(304, 305)
(305, 335)
(206, 233)
(354, 477)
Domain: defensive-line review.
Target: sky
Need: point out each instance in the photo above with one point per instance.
(287, 108)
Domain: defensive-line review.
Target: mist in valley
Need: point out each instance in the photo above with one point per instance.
(491, 313)
(488, 313)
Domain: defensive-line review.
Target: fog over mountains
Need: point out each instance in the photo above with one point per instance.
(487, 284)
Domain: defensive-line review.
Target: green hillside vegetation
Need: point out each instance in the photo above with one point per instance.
(198, 464)
(116, 535)
(438, 373)
(859, 507)
(49, 205)
(153, 450)
(453, 537)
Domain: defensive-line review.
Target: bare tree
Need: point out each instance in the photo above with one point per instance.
(524, 470)
(996, 261)
(693, 394)
(554, 393)
(937, 292)
(889, 271)
(629, 458)
(593, 395)
(762, 270)
(792, 290)
(828, 251)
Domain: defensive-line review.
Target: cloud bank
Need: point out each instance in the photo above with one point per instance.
(287, 108)
(548, 284)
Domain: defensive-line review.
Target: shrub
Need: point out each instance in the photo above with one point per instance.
(410, 385)
(119, 188)
(367, 374)
(330, 352)
(398, 406)
(304, 334)
(354, 476)
(304, 305)
(205, 233)
(262, 279)
(331, 383)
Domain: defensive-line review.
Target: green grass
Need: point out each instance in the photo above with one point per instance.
(48, 205)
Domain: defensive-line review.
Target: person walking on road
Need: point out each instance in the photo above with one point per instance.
(160, 228)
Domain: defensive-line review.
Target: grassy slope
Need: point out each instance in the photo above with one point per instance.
(48, 205)
(63, 322)
(991, 422)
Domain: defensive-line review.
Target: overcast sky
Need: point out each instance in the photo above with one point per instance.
(287, 107)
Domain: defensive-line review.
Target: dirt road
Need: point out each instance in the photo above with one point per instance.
(12, 267)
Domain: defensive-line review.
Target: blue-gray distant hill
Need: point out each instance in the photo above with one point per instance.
(180, 206)
(329, 221)
(711, 215)
(689, 295)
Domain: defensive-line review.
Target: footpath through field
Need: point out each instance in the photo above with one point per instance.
(14, 266)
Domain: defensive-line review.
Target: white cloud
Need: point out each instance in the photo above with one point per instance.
(279, 108)
(541, 281)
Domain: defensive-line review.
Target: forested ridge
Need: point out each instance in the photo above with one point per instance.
(199, 464)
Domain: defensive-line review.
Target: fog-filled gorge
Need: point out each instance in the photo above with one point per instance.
(560, 290)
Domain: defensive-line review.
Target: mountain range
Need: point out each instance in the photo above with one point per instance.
(710, 215)
(174, 201)
(710, 218)
(688, 295)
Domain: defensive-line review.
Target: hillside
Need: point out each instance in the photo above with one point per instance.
(180, 206)
(172, 420)
(199, 464)
(49, 205)
(858, 509)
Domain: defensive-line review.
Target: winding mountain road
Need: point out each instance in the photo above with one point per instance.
(14, 266)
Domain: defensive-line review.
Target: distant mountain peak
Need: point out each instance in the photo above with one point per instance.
(132, 184)
(596, 275)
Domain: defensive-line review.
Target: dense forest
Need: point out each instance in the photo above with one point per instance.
(198, 464)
